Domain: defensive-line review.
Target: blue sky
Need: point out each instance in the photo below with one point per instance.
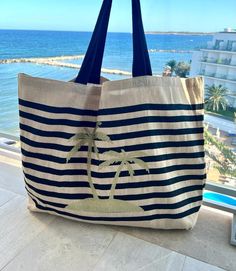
(80, 15)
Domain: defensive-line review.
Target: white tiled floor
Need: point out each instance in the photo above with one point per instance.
(129, 253)
(40, 242)
(195, 265)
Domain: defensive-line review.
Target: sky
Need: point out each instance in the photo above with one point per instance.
(80, 15)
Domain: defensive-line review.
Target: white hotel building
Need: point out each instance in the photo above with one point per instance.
(217, 62)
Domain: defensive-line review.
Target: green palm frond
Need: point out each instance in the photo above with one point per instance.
(96, 127)
(75, 149)
(88, 132)
(130, 169)
(101, 136)
(123, 157)
(95, 149)
(98, 124)
(225, 150)
(212, 156)
(141, 163)
(113, 153)
(78, 136)
(107, 163)
(216, 97)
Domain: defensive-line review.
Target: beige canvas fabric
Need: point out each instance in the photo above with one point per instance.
(126, 152)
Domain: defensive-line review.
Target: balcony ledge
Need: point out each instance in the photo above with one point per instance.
(218, 64)
(219, 79)
(217, 51)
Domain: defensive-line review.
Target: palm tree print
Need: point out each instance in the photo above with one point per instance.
(125, 160)
(87, 137)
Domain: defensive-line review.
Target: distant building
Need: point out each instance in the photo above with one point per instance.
(217, 62)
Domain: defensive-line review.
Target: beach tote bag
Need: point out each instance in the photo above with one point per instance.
(127, 152)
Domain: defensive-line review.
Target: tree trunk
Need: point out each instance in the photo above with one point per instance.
(116, 178)
(89, 162)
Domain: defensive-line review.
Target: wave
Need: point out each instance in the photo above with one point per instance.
(57, 61)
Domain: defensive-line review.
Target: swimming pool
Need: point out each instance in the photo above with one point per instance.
(220, 198)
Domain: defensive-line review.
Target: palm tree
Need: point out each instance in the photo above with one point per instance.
(216, 97)
(87, 137)
(125, 160)
(182, 69)
(172, 64)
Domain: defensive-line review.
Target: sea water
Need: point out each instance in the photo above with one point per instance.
(118, 55)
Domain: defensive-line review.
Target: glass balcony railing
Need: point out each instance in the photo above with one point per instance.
(219, 61)
(221, 76)
(229, 46)
(9, 143)
(218, 76)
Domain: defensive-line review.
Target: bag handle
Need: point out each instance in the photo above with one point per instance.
(90, 70)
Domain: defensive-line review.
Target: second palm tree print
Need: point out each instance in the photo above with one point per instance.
(125, 161)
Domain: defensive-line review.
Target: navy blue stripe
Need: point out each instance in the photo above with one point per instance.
(113, 123)
(145, 196)
(55, 204)
(114, 137)
(148, 107)
(149, 119)
(137, 147)
(49, 182)
(110, 111)
(58, 110)
(57, 194)
(113, 219)
(95, 162)
(104, 175)
(42, 133)
(58, 122)
(145, 207)
(152, 195)
(128, 185)
(172, 205)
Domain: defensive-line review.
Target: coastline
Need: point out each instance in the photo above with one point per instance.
(59, 61)
(39, 60)
(56, 61)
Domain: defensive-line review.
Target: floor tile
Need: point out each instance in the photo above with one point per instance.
(195, 265)
(5, 196)
(127, 253)
(18, 226)
(64, 246)
(209, 241)
(11, 178)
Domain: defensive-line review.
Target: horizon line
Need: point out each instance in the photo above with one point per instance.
(125, 32)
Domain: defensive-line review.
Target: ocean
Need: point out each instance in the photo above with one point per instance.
(15, 44)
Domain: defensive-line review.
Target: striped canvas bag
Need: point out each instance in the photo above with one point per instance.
(127, 152)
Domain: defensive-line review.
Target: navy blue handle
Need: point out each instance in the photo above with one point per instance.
(91, 67)
(141, 60)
